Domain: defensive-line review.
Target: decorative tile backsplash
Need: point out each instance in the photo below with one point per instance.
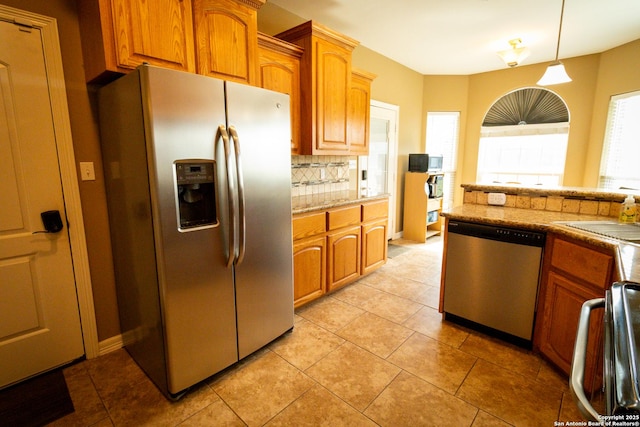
(319, 174)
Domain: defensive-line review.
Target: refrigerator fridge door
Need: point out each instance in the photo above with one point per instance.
(182, 114)
(259, 127)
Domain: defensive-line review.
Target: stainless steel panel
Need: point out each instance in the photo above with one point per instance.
(576, 377)
(492, 283)
(625, 337)
(264, 277)
(132, 238)
(182, 114)
(612, 229)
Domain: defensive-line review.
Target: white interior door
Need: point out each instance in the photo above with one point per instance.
(381, 163)
(39, 318)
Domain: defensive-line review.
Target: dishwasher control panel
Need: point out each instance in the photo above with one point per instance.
(506, 234)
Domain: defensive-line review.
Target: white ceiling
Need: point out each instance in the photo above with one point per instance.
(463, 36)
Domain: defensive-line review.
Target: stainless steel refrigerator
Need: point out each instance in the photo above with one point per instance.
(199, 193)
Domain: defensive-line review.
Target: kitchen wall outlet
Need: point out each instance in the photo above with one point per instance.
(498, 199)
(323, 173)
(86, 171)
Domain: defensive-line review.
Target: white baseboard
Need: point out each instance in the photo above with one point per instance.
(110, 344)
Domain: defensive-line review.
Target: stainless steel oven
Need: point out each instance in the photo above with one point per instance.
(620, 371)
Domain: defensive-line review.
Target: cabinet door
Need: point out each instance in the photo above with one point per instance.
(226, 40)
(333, 83)
(119, 35)
(344, 257)
(158, 32)
(309, 267)
(358, 117)
(374, 245)
(563, 301)
(280, 72)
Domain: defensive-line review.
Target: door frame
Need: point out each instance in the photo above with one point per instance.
(392, 166)
(48, 28)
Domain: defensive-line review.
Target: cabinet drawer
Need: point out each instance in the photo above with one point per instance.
(308, 225)
(343, 217)
(375, 210)
(587, 264)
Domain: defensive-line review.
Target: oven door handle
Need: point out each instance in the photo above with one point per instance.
(576, 380)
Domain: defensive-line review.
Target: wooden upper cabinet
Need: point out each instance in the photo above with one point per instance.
(227, 39)
(119, 35)
(359, 112)
(279, 70)
(325, 76)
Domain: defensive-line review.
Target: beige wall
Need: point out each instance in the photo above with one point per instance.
(595, 79)
(486, 88)
(619, 72)
(398, 85)
(448, 93)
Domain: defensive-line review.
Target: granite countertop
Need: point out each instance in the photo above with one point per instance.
(627, 254)
(323, 201)
(581, 192)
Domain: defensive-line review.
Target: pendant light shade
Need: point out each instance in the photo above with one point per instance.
(556, 73)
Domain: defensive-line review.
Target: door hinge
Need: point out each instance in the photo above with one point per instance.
(24, 24)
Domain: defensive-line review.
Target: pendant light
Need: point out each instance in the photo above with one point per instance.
(556, 73)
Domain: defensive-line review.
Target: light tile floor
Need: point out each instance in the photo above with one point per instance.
(374, 353)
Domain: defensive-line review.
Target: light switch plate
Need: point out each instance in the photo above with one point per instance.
(86, 171)
(498, 199)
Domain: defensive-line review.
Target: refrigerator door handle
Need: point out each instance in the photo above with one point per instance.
(224, 136)
(241, 200)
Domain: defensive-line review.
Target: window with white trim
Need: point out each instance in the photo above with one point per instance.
(621, 151)
(442, 139)
(523, 154)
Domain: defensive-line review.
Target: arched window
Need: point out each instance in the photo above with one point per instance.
(523, 139)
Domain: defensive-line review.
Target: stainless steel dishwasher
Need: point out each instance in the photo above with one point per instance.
(491, 279)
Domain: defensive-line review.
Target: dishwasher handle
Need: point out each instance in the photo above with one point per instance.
(576, 379)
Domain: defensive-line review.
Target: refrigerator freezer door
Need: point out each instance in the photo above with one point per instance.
(264, 275)
(182, 115)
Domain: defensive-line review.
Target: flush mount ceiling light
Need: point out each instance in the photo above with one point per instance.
(514, 56)
(556, 73)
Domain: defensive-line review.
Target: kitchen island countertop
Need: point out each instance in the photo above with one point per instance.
(627, 254)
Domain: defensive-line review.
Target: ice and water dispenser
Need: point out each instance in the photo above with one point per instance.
(196, 194)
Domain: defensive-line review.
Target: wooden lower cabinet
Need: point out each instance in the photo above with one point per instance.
(565, 299)
(573, 273)
(374, 245)
(309, 269)
(335, 247)
(344, 257)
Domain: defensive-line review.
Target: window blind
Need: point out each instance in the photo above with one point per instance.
(442, 138)
(621, 151)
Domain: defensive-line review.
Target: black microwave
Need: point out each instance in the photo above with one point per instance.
(418, 162)
(421, 162)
